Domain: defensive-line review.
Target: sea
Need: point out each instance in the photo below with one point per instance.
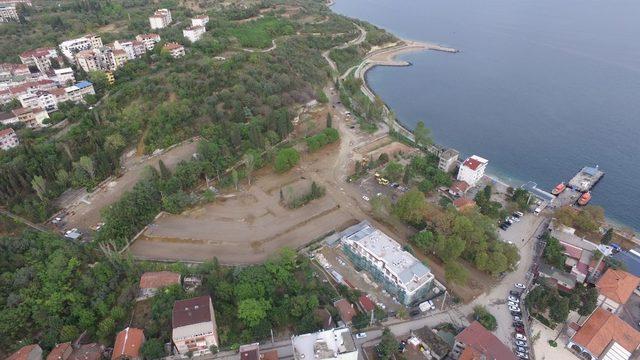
(541, 88)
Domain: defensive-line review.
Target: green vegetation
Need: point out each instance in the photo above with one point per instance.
(393, 171)
(423, 172)
(315, 192)
(521, 198)
(286, 159)
(544, 299)
(484, 317)
(388, 345)
(492, 209)
(327, 136)
(554, 253)
(607, 237)
(587, 219)
(259, 33)
(422, 134)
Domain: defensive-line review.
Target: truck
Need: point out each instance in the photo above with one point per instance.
(424, 306)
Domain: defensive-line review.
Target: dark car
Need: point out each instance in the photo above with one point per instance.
(413, 313)
(518, 324)
(520, 330)
(516, 313)
(514, 293)
(503, 227)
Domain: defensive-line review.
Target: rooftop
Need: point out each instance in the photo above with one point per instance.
(158, 279)
(433, 341)
(23, 353)
(617, 285)
(128, 344)
(366, 303)
(83, 84)
(172, 46)
(57, 353)
(323, 344)
(463, 203)
(347, 312)
(602, 329)
(630, 259)
(6, 132)
(250, 351)
(192, 311)
(484, 342)
(474, 162)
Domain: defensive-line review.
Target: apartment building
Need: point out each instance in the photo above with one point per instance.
(39, 99)
(175, 50)
(90, 60)
(15, 2)
(194, 326)
(39, 58)
(8, 13)
(160, 19)
(472, 170)
(201, 20)
(133, 48)
(32, 117)
(194, 33)
(400, 272)
(335, 344)
(64, 76)
(149, 40)
(8, 139)
(448, 159)
(77, 92)
(71, 47)
(8, 70)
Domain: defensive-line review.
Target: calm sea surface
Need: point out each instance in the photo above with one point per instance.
(540, 88)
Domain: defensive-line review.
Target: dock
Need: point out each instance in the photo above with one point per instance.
(586, 179)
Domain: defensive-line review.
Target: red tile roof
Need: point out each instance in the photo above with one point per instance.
(58, 352)
(617, 285)
(23, 353)
(460, 186)
(159, 279)
(366, 303)
(571, 251)
(602, 328)
(270, 355)
(192, 311)
(484, 342)
(172, 46)
(472, 163)
(463, 203)
(39, 52)
(128, 344)
(346, 310)
(6, 132)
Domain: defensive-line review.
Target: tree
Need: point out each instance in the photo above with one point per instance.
(253, 311)
(286, 159)
(383, 158)
(234, 178)
(484, 317)
(589, 301)
(554, 253)
(393, 171)
(608, 236)
(449, 248)
(39, 186)
(361, 320)
(329, 120)
(560, 309)
(249, 161)
(86, 164)
(411, 206)
(422, 134)
(455, 273)
(388, 345)
(152, 349)
(165, 173)
(424, 240)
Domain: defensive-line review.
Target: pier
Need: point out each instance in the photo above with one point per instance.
(436, 47)
(586, 179)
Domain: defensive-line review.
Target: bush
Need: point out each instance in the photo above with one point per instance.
(552, 343)
(327, 136)
(286, 159)
(482, 315)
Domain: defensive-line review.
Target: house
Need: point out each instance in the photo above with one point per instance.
(459, 188)
(270, 355)
(128, 344)
(194, 326)
(323, 317)
(477, 341)
(15, 2)
(29, 352)
(252, 352)
(71, 47)
(346, 310)
(77, 92)
(462, 204)
(90, 60)
(8, 118)
(60, 352)
(579, 253)
(194, 33)
(64, 76)
(16, 70)
(160, 19)
(426, 341)
(175, 50)
(92, 351)
(149, 40)
(335, 344)
(151, 282)
(200, 20)
(39, 58)
(561, 280)
(472, 170)
(31, 117)
(8, 139)
(39, 99)
(615, 288)
(400, 273)
(605, 336)
(366, 304)
(448, 159)
(8, 13)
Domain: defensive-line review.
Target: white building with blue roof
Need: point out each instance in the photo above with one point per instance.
(77, 91)
(400, 272)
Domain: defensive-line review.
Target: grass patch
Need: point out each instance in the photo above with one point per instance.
(260, 33)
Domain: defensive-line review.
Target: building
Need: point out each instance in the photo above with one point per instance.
(60, 352)
(194, 326)
(400, 272)
(39, 99)
(580, 260)
(252, 352)
(149, 40)
(15, 2)
(8, 118)
(630, 259)
(426, 341)
(561, 280)
(346, 310)
(336, 344)
(71, 47)
(615, 288)
(92, 351)
(175, 50)
(128, 344)
(448, 159)
(8, 13)
(459, 188)
(160, 19)
(77, 92)
(194, 33)
(29, 352)
(39, 58)
(31, 117)
(472, 170)
(64, 76)
(133, 48)
(478, 341)
(605, 336)
(16, 70)
(90, 60)
(201, 20)
(151, 282)
(366, 304)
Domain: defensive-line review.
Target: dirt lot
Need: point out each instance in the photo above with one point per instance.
(84, 209)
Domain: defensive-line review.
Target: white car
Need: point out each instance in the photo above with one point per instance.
(513, 303)
(521, 337)
(516, 219)
(520, 286)
(521, 343)
(365, 197)
(361, 335)
(517, 318)
(522, 355)
(514, 308)
(513, 299)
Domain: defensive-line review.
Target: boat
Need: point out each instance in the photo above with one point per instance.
(559, 189)
(584, 199)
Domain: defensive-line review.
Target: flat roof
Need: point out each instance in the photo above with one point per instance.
(532, 187)
(323, 344)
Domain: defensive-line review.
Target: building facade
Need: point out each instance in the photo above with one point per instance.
(174, 49)
(149, 40)
(8, 13)
(194, 326)
(335, 344)
(201, 20)
(160, 19)
(448, 159)
(194, 33)
(71, 47)
(8, 139)
(472, 170)
(77, 92)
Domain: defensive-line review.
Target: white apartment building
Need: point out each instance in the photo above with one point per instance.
(194, 326)
(447, 160)
(71, 47)
(40, 58)
(201, 20)
(400, 272)
(8, 139)
(149, 40)
(39, 99)
(8, 13)
(472, 170)
(77, 92)
(64, 76)
(90, 60)
(133, 48)
(194, 33)
(334, 344)
(160, 19)
(175, 50)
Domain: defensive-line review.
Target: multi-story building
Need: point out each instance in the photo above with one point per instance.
(472, 170)
(8, 139)
(160, 19)
(175, 50)
(7, 69)
(90, 60)
(201, 20)
(476, 342)
(605, 336)
(64, 76)
(615, 288)
(77, 92)
(40, 58)
(194, 33)
(149, 40)
(15, 2)
(71, 47)
(447, 160)
(31, 117)
(120, 57)
(194, 326)
(133, 48)
(334, 344)
(39, 99)
(128, 344)
(400, 272)
(8, 13)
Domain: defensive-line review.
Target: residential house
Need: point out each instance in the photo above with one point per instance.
(77, 92)
(61, 352)
(90, 60)
(194, 326)
(477, 341)
(29, 352)
(200, 20)
(64, 76)
(8, 118)
(39, 99)
(160, 19)
(579, 253)
(334, 344)
(615, 288)
(459, 188)
(194, 33)
(8, 13)
(71, 47)
(149, 40)
(560, 279)
(346, 310)
(400, 273)
(39, 58)
(366, 304)
(605, 336)
(426, 341)
(92, 351)
(128, 344)
(133, 48)
(472, 170)
(175, 50)
(252, 352)
(8, 139)
(15, 2)
(151, 282)
(448, 159)
(8, 69)
(31, 117)
(463, 203)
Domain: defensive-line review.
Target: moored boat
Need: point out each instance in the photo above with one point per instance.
(584, 199)
(559, 189)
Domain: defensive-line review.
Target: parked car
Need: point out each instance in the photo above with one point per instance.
(520, 337)
(518, 323)
(504, 227)
(518, 214)
(514, 293)
(522, 355)
(361, 335)
(365, 197)
(513, 303)
(514, 308)
(521, 349)
(521, 343)
(414, 313)
(520, 330)
(515, 219)
(516, 314)
(520, 286)
(513, 299)
(517, 319)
